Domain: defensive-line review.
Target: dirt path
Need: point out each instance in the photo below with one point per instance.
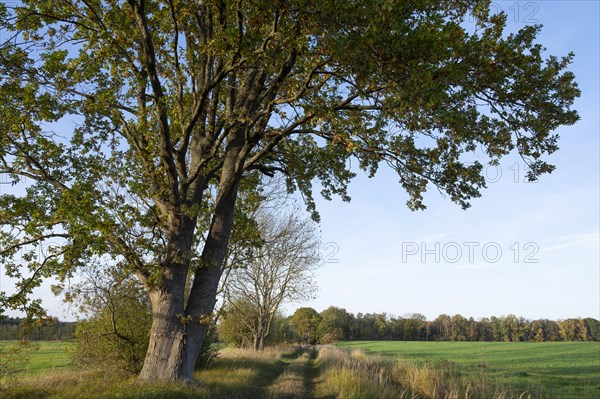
(311, 372)
(297, 380)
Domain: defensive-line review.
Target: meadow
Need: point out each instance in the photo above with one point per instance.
(51, 356)
(545, 369)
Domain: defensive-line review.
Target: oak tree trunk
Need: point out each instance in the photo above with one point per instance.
(167, 353)
(178, 331)
(259, 340)
(261, 344)
(179, 328)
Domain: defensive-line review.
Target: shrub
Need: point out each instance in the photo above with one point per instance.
(116, 335)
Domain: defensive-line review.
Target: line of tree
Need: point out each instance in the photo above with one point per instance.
(47, 329)
(333, 324)
(338, 324)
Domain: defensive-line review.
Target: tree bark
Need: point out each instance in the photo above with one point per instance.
(261, 344)
(179, 328)
(259, 340)
(168, 345)
(203, 295)
(178, 331)
(256, 342)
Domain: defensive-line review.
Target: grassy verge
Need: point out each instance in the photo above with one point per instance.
(356, 375)
(89, 384)
(353, 375)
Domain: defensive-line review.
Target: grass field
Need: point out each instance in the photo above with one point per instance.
(549, 369)
(51, 356)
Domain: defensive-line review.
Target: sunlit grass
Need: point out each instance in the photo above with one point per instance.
(243, 373)
(50, 356)
(235, 374)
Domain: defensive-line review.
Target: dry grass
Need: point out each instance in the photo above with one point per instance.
(268, 354)
(349, 375)
(354, 375)
(446, 381)
(88, 384)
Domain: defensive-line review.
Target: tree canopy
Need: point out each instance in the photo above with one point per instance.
(132, 126)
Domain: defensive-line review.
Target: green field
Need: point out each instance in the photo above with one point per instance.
(51, 356)
(549, 369)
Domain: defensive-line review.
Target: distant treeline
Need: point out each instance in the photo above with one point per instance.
(336, 324)
(47, 329)
(341, 325)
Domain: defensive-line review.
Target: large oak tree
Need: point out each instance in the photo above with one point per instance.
(128, 124)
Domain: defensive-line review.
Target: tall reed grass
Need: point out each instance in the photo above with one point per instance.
(356, 375)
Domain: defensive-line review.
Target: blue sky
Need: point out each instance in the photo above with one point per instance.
(554, 222)
(530, 249)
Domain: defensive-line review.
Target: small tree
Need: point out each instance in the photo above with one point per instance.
(281, 330)
(280, 270)
(117, 330)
